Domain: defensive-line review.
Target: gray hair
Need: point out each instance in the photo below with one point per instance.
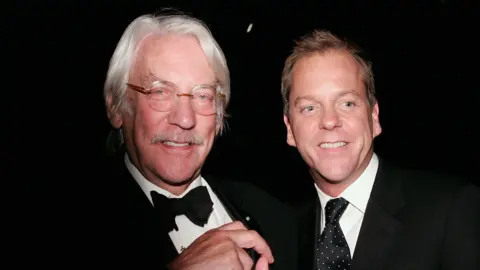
(146, 25)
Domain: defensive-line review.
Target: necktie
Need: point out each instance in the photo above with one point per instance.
(332, 247)
(196, 205)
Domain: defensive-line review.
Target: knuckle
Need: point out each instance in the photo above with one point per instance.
(237, 222)
(214, 234)
(230, 244)
(232, 256)
(225, 242)
(229, 259)
(254, 234)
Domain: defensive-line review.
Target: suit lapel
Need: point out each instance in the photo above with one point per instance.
(234, 206)
(309, 218)
(380, 225)
(307, 212)
(154, 229)
(147, 224)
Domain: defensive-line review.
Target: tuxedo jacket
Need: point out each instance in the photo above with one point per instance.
(413, 220)
(133, 232)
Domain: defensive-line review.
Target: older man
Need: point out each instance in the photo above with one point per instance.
(166, 89)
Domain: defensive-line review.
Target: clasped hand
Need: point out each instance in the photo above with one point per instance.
(223, 248)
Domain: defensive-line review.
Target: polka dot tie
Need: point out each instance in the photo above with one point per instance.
(332, 248)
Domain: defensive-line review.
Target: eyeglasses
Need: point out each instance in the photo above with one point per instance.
(163, 96)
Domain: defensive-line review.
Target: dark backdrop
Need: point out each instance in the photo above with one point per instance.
(423, 52)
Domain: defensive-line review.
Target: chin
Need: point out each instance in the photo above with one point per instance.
(333, 174)
(177, 182)
(334, 179)
(177, 176)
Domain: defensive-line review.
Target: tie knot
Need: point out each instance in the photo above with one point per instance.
(196, 205)
(334, 209)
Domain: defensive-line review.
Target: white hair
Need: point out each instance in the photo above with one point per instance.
(146, 25)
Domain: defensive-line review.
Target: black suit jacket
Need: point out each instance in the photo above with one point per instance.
(133, 232)
(413, 220)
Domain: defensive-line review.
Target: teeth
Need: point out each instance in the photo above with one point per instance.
(333, 145)
(175, 144)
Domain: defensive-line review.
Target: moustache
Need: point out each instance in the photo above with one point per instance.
(186, 137)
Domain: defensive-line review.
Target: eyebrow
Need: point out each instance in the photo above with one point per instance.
(312, 98)
(299, 99)
(349, 92)
(151, 78)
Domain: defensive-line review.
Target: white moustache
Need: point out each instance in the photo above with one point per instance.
(184, 138)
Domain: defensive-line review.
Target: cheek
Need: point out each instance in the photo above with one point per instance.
(206, 127)
(304, 132)
(148, 123)
(358, 124)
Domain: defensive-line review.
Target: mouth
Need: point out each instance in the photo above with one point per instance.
(176, 144)
(333, 145)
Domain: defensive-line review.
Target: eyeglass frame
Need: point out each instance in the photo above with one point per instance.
(148, 91)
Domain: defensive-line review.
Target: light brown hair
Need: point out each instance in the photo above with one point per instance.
(320, 42)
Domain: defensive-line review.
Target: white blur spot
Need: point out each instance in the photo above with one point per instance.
(249, 28)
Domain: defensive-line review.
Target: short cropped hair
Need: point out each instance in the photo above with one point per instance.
(319, 42)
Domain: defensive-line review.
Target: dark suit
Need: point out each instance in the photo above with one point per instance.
(413, 220)
(135, 230)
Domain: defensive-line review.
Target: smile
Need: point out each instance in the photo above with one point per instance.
(330, 145)
(176, 144)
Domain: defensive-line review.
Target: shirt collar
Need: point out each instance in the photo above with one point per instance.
(358, 193)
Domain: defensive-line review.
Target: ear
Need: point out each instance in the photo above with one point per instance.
(377, 128)
(113, 113)
(290, 137)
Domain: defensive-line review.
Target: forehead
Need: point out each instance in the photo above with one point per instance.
(327, 73)
(176, 58)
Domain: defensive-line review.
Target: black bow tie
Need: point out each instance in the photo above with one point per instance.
(196, 205)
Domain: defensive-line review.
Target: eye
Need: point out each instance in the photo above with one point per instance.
(205, 94)
(308, 109)
(160, 93)
(349, 104)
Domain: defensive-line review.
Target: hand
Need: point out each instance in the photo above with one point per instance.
(223, 248)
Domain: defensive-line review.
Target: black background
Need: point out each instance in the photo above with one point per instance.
(424, 57)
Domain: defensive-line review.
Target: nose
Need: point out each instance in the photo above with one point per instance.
(330, 119)
(182, 115)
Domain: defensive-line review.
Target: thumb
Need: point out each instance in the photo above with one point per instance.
(262, 264)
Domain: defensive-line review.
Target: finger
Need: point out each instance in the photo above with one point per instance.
(251, 239)
(235, 225)
(262, 264)
(245, 259)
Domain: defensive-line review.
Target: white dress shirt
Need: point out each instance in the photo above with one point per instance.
(187, 230)
(357, 194)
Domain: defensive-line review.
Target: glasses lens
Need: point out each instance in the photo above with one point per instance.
(203, 100)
